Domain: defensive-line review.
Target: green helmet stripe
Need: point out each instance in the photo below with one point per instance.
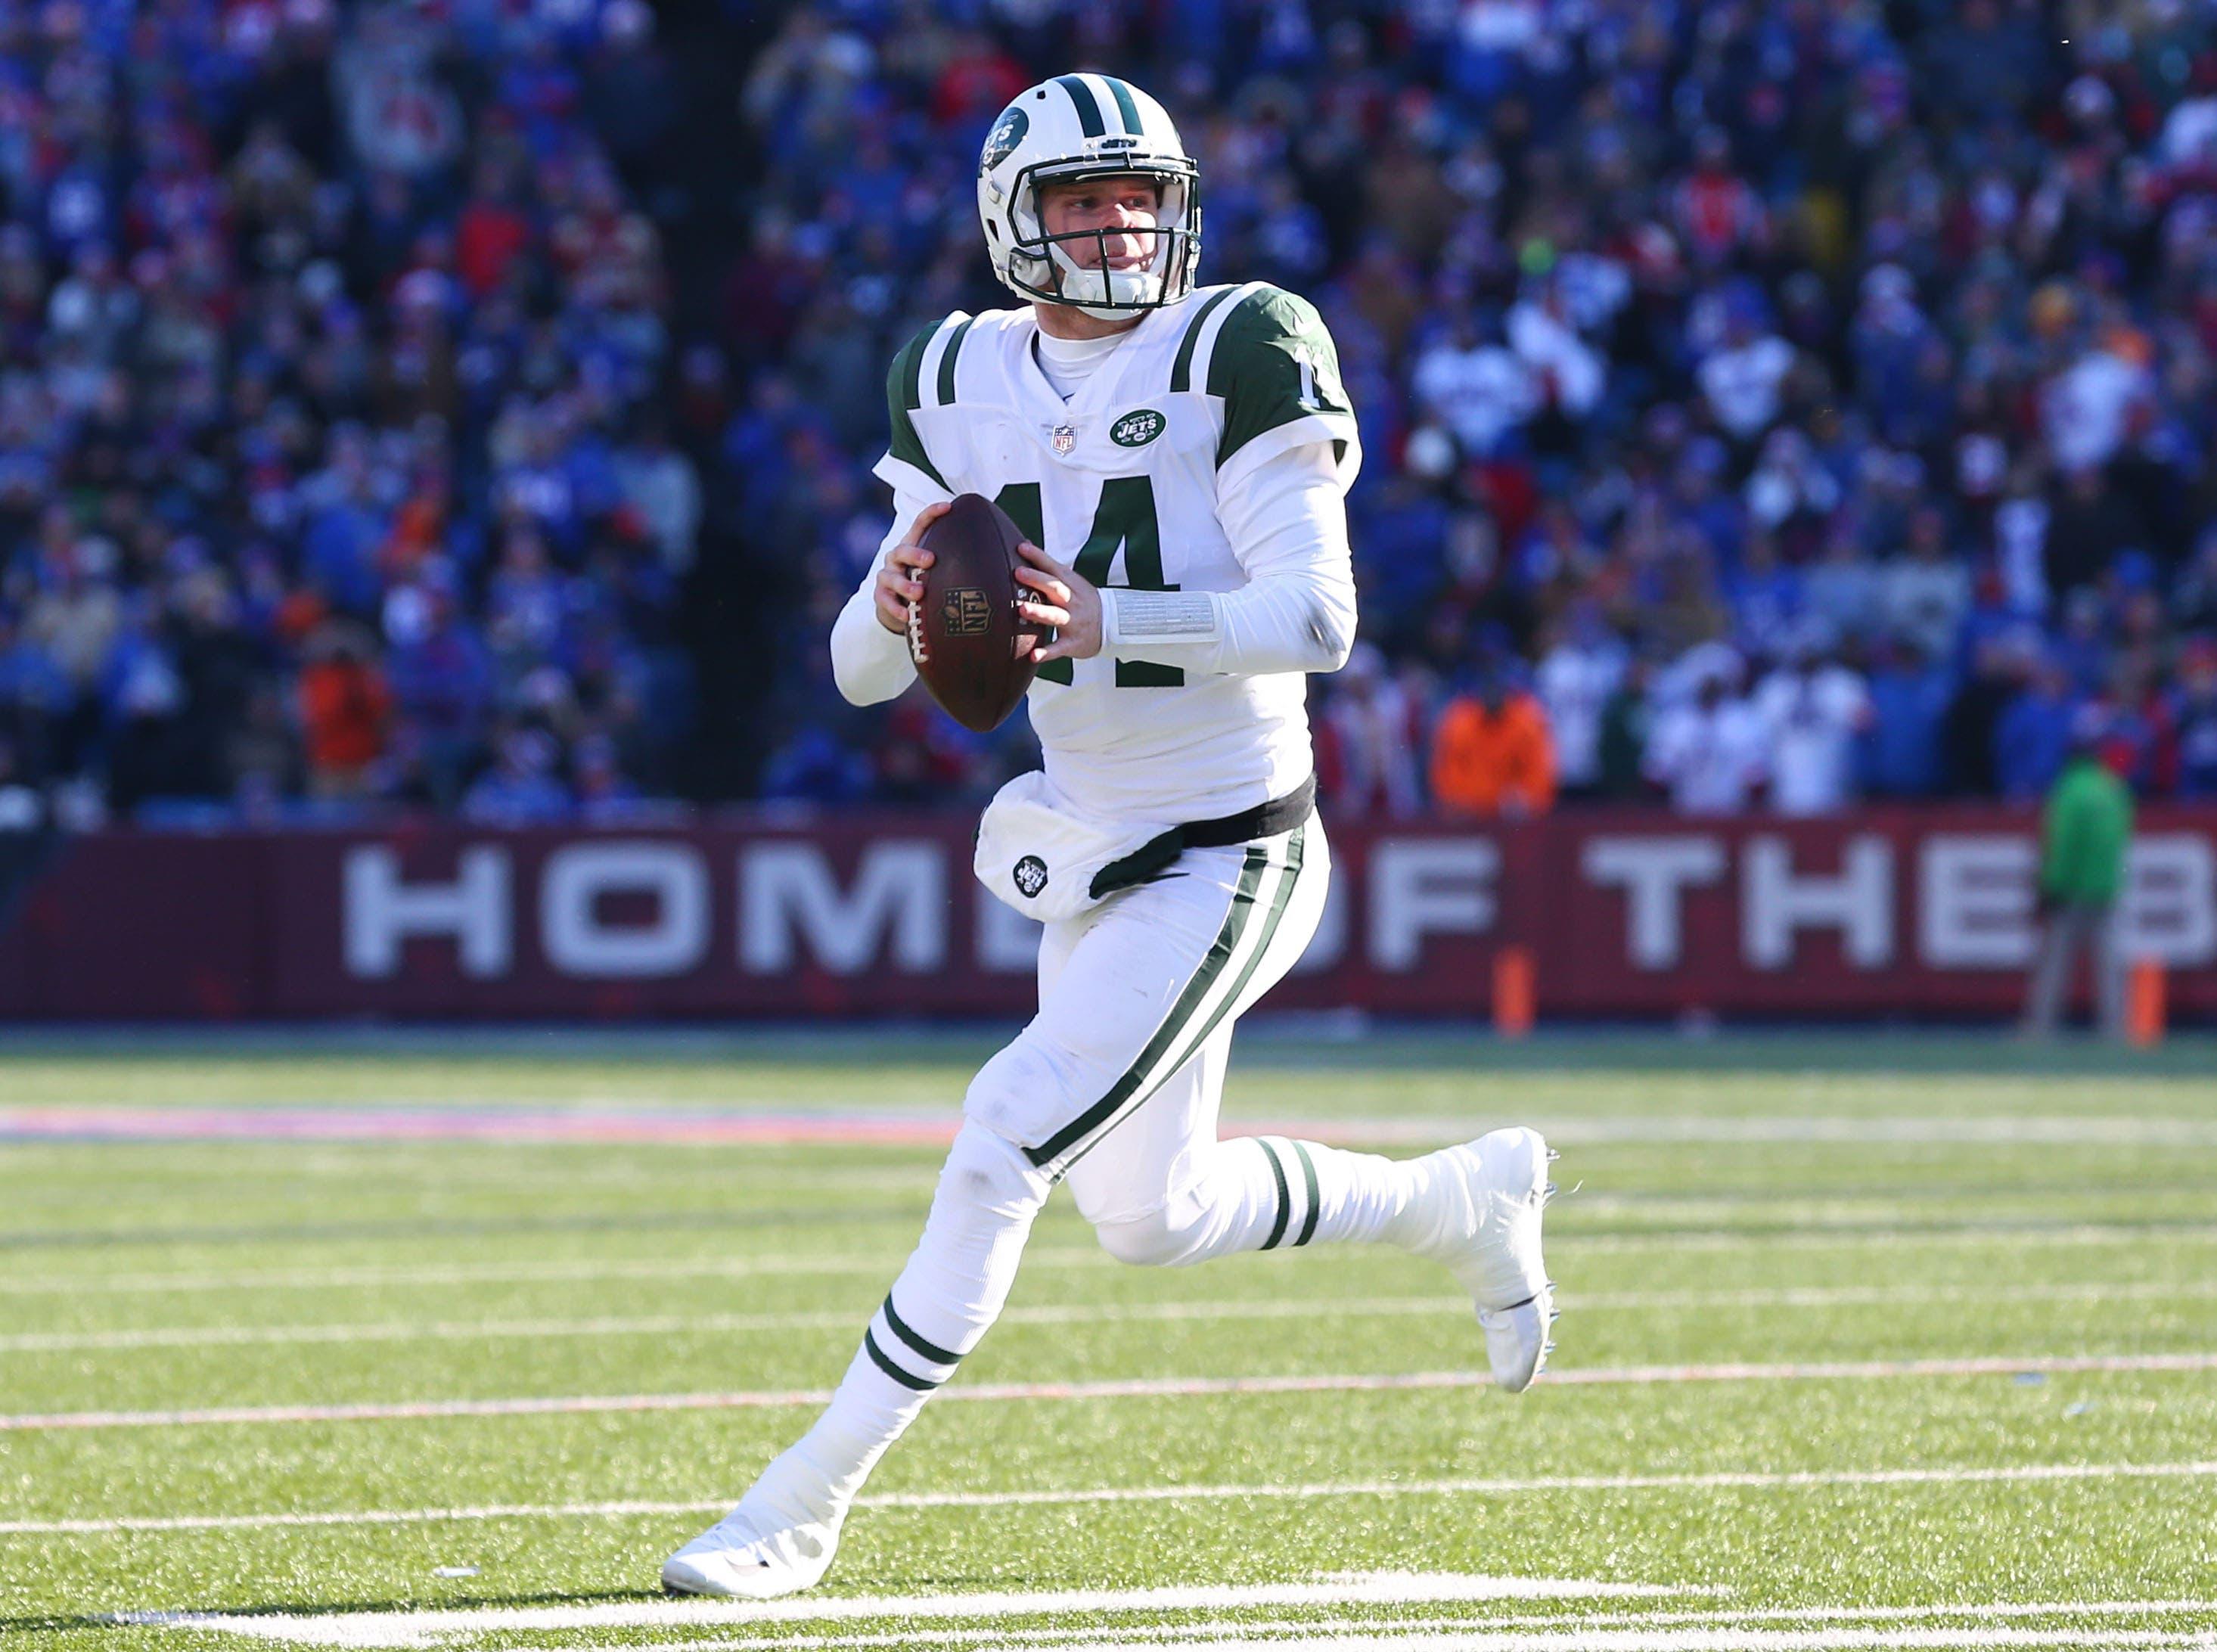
(1089, 107)
(1125, 106)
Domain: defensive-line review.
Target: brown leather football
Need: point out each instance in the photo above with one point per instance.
(963, 634)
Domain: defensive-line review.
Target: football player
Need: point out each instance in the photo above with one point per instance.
(1177, 457)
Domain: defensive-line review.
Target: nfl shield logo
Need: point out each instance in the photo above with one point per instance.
(1066, 438)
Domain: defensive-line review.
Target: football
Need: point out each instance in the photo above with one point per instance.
(963, 634)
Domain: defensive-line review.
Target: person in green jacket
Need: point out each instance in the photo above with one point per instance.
(2085, 830)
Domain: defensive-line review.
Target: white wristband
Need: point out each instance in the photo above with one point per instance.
(1159, 617)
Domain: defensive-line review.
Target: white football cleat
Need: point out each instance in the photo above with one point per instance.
(733, 1560)
(1477, 1210)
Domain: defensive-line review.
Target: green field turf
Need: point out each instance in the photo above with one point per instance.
(1867, 1342)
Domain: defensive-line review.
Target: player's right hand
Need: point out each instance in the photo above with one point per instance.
(896, 587)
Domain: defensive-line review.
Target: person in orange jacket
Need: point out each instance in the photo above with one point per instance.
(1492, 753)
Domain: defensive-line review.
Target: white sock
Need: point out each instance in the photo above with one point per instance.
(1264, 1193)
(940, 1307)
(1329, 1196)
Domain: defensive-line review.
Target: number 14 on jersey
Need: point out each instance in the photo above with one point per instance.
(1125, 518)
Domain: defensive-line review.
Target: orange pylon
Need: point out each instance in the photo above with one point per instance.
(1515, 997)
(2143, 1005)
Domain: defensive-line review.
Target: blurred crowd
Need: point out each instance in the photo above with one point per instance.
(1767, 403)
(469, 404)
(332, 471)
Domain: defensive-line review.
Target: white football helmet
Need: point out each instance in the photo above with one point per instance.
(1078, 126)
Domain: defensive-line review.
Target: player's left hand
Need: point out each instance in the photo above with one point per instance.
(1063, 602)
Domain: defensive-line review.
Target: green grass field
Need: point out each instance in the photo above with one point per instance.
(1867, 1342)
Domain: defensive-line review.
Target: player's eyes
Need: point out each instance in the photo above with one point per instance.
(1138, 200)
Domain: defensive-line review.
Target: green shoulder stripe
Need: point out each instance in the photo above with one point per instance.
(947, 361)
(1273, 362)
(905, 385)
(904, 395)
(1182, 365)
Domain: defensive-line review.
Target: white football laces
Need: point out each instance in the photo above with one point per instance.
(916, 651)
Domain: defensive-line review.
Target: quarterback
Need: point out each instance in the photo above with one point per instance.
(1177, 457)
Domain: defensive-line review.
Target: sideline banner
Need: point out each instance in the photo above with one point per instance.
(1624, 912)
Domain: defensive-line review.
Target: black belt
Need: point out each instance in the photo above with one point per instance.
(1264, 820)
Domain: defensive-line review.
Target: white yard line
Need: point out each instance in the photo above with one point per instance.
(1973, 1626)
(2081, 1235)
(1998, 1130)
(1694, 1640)
(1407, 1632)
(2005, 1234)
(1207, 1311)
(1360, 1588)
(2012, 1236)
(470, 1273)
(1132, 1388)
(1277, 1632)
(1792, 1479)
(1641, 1632)
(615, 1121)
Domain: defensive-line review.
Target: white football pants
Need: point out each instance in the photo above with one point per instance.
(1115, 1087)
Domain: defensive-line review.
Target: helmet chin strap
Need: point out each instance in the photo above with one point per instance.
(1093, 290)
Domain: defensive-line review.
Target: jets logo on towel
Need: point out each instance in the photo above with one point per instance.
(1030, 874)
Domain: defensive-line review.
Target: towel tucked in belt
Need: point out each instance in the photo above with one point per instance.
(1050, 863)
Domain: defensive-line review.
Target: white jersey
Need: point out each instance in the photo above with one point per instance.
(1158, 474)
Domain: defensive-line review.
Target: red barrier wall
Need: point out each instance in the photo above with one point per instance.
(1625, 914)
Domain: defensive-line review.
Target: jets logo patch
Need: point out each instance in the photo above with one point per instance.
(1030, 874)
(1008, 132)
(1137, 429)
(963, 612)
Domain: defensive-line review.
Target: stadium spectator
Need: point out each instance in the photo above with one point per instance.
(2086, 828)
(22, 808)
(1904, 745)
(2033, 736)
(1476, 385)
(522, 788)
(1814, 712)
(1710, 749)
(1744, 377)
(1368, 741)
(1626, 721)
(1924, 593)
(2194, 718)
(1843, 594)
(1576, 677)
(345, 707)
(1493, 756)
